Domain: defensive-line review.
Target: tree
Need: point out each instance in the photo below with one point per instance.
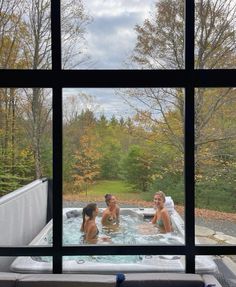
(138, 168)
(74, 21)
(11, 33)
(25, 42)
(86, 166)
(110, 150)
(15, 156)
(160, 40)
(160, 44)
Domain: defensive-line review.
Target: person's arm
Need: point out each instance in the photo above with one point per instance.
(104, 216)
(91, 234)
(154, 220)
(82, 228)
(166, 221)
(117, 212)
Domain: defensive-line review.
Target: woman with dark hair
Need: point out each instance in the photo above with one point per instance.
(110, 216)
(89, 226)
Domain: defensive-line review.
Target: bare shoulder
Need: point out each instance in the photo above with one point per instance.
(164, 212)
(105, 212)
(91, 226)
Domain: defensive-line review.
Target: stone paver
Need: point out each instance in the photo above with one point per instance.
(205, 235)
(203, 231)
(205, 240)
(224, 237)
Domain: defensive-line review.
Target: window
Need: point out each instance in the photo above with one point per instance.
(57, 79)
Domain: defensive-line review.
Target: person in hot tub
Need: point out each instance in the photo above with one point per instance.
(110, 216)
(89, 226)
(161, 218)
(161, 222)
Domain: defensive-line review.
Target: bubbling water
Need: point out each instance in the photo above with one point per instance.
(132, 230)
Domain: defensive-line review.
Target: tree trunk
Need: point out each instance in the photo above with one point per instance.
(13, 130)
(36, 132)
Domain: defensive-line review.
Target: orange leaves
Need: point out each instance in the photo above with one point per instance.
(86, 166)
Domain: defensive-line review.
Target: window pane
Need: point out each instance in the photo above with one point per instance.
(123, 34)
(224, 271)
(127, 143)
(215, 169)
(25, 34)
(25, 160)
(215, 34)
(124, 263)
(32, 264)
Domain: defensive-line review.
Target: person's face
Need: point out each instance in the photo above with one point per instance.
(112, 202)
(95, 213)
(158, 201)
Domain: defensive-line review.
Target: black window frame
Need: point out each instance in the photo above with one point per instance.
(57, 79)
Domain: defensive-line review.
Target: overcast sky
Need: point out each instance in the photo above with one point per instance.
(103, 101)
(110, 40)
(111, 36)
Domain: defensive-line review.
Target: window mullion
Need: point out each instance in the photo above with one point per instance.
(189, 138)
(57, 136)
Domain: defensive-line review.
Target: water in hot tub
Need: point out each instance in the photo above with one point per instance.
(132, 230)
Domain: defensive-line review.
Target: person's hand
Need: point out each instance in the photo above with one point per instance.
(105, 238)
(147, 228)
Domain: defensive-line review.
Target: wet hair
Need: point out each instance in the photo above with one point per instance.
(108, 197)
(162, 195)
(88, 211)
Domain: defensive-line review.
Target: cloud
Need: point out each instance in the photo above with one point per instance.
(111, 36)
(103, 8)
(103, 101)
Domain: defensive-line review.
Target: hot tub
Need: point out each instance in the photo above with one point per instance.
(130, 232)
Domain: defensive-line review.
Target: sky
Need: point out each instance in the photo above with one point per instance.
(111, 36)
(110, 39)
(103, 101)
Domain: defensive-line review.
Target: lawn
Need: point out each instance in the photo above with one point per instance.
(122, 190)
(125, 193)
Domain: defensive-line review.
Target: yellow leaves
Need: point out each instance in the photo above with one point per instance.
(198, 177)
(25, 152)
(156, 176)
(87, 156)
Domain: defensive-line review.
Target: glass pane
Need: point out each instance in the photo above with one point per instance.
(25, 34)
(25, 163)
(123, 263)
(215, 34)
(123, 34)
(120, 148)
(32, 264)
(224, 270)
(215, 170)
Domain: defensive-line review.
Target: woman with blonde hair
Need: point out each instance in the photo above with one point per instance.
(161, 217)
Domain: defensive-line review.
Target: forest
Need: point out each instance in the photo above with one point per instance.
(146, 150)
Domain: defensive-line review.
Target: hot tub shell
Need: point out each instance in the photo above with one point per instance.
(155, 263)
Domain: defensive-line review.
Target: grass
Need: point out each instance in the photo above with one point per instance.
(122, 190)
(206, 197)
